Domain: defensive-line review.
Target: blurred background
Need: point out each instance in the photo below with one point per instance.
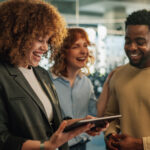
(104, 23)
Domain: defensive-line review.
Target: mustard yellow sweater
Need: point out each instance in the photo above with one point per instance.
(130, 96)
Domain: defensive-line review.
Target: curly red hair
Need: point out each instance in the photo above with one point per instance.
(22, 21)
(60, 65)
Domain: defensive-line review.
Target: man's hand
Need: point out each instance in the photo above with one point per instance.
(110, 142)
(126, 142)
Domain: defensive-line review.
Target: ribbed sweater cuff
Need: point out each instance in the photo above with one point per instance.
(146, 143)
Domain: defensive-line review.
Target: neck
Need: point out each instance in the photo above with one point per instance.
(26, 67)
(142, 65)
(71, 75)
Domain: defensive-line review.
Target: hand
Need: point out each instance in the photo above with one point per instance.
(95, 130)
(60, 137)
(110, 142)
(127, 142)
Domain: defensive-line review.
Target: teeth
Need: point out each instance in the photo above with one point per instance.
(40, 55)
(81, 58)
(37, 54)
(134, 54)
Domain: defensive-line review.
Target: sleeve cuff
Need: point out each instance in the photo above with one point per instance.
(146, 143)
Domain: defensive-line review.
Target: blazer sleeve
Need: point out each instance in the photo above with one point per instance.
(7, 140)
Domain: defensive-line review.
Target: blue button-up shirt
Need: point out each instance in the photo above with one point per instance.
(77, 101)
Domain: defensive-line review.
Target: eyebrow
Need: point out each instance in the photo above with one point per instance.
(126, 37)
(140, 38)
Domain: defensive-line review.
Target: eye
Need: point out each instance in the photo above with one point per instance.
(141, 42)
(40, 40)
(85, 45)
(127, 41)
(74, 46)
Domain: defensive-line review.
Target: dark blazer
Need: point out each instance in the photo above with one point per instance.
(22, 115)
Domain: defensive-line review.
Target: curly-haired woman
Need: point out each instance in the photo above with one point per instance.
(29, 108)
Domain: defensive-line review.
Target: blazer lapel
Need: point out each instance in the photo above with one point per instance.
(23, 83)
(47, 85)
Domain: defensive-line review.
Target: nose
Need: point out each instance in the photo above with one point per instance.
(133, 46)
(83, 50)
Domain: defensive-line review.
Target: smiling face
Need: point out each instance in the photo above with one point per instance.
(137, 45)
(39, 47)
(77, 55)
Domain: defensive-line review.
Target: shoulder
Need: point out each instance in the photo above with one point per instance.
(7, 69)
(121, 70)
(84, 77)
(53, 76)
(86, 80)
(120, 74)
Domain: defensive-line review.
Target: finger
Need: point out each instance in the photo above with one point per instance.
(110, 146)
(93, 133)
(103, 128)
(62, 127)
(71, 121)
(116, 144)
(97, 129)
(107, 125)
(80, 130)
(113, 147)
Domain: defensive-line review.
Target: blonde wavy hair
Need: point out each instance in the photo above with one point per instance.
(60, 64)
(23, 21)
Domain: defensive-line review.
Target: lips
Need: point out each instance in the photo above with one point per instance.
(134, 55)
(81, 58)
(37, 55)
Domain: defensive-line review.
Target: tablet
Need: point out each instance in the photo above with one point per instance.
(99, 122)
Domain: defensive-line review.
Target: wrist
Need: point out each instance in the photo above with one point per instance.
(42, 146)
(48, 146)
(139, 144)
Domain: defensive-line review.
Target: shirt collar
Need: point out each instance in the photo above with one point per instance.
(80, 75)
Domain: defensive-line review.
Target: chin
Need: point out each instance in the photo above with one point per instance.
(135, 64)
(34, 65)
(80, 67)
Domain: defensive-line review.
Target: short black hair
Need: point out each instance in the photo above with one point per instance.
(140, 17)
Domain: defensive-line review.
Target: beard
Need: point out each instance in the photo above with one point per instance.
(141, 63)
(135, 64)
